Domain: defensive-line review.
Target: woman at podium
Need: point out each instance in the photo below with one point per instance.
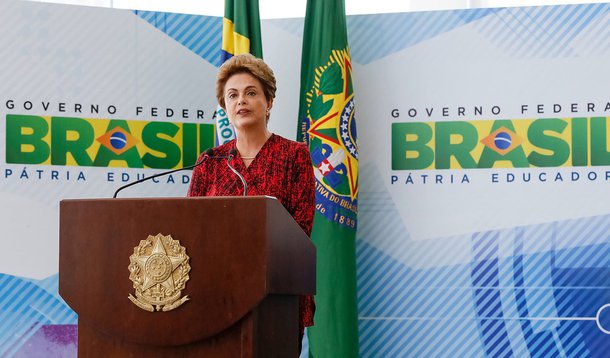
(269, 164)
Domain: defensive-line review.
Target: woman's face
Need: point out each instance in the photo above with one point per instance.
(245, 101)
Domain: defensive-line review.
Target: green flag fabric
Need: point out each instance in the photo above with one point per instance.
(327, 123)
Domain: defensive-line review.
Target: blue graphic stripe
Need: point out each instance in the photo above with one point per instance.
(597, 38)
(207, 48)
(200, 34)
(538, 32)
(519, 294)
(589, 256)
(175, 23)
(430, 300)
(15, 344)
(492, 27)
(579, 24)
(426, 253)
(570, 341)
(397, 31)
(485, 249)
(27, 320)
(540, 343)
(404, 339)
(421, 305)
(25, 306)
(402, 302)
(520, 33)
(467, 342)
(556, 50)
(434, 347)
(15, 326)
(375, 36)
(386, 231)
(378, 334)
(463, 308)
(561, 15)
(536, 239)
(186, 33)
(471, 15)
(537, 271)
(541, 19)
(376, 291)
(485, 272)
(533, 35)
(364, 273)
(500, 28)
(540, 339)
(373, 269)
(377, 305)
(565, 277)
(395, 343)
(580, 20)
(574, 346)
(393, 351)
(410, 302)
(509, 306)
(568, 331)
(584, 232)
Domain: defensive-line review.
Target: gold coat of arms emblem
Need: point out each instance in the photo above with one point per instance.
(159, 269)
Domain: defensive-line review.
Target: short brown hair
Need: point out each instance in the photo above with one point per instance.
(245, 63)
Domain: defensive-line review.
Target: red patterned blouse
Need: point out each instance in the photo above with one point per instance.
(282, 168)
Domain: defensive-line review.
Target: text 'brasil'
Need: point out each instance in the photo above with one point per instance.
(544, 142)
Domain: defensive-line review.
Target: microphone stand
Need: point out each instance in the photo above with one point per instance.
(232, 154)
(207, 155)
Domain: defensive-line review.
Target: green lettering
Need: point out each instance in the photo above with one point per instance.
(153, 136)
(61, 127)
(24, 139)
(189, 144)
(580, 142)
(599, 141)
(207, 136)
(539, 136)
(402, 145)
(467, 133)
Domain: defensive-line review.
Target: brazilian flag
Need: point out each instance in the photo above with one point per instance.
(241, 33)
(327, 123)
(241, 29)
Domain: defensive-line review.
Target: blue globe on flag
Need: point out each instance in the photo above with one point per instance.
(502, 140)
(118, 140)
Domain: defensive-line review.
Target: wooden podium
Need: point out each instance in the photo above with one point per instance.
(249, 262)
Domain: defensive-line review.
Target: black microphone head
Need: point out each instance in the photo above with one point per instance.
(207, 154)
(232, 153)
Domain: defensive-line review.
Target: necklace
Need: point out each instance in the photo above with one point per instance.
(254, 156)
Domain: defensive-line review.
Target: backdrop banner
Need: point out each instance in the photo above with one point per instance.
(483, 163)
(483, 228)
(91, 99)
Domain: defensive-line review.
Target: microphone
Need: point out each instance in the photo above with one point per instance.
(232, 154)
(208, 154)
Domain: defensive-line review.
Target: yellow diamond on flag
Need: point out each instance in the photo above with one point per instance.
(502, 140)
(118, 140)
